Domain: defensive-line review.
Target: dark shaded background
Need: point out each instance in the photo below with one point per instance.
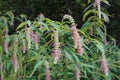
(55, 9)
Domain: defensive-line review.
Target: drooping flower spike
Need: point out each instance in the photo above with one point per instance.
(29, 36)
(77, 74)
(23, 46)
(75, 35)
(98, 2)
(48, 77)
(14, 57)
(36, 39)
(56, 47)
(104, 65)
(6, 42)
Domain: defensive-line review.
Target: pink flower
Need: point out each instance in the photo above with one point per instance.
(77, 74)
(80, 49)
(97, 2)
(76, 40)
(41, 16)
(99, 8)
(75, 36)
(104, 66)
(23, 47)
(36, 39)
(6, 42)
(56, 54)
(15, 62)
(48, 77)
(56, 48)
(14, 57)
(6, 46)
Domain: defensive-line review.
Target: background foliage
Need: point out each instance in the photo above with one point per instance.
(55, 9)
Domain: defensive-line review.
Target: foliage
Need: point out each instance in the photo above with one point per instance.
(41, 48)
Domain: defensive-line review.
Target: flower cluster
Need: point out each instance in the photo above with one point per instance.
(15, 62)
(23, 46)
(14, 57)
(76, 40)
(48, 77)
(77, 74)
(75, 35)
(104, 66)
(97, 2)
(6, 42)
(99, 8)
(56, 47)
(36, 39)
(29, 35)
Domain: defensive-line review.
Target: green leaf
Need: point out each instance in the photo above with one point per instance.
(86, 65)
(22, 25)
(109, 77)
(54, 24)
(86, 26)
(28, 22)
(88, 6)
(39, 63)
(67, 54)
(96, 77)
(105, 17)
(23, 16)
(89, 12)
(100, 46)
(45, 25)
(106, 2)
(100, 32)
(10, 14)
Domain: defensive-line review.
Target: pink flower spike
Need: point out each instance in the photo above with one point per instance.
(36, 39)
(104, 66)
(6, 46)
(42, 16)
(56, 47)
(97, 2)
(23, 47)
(48, 77)
(77, 74)
(15, 62)
(80, 50)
